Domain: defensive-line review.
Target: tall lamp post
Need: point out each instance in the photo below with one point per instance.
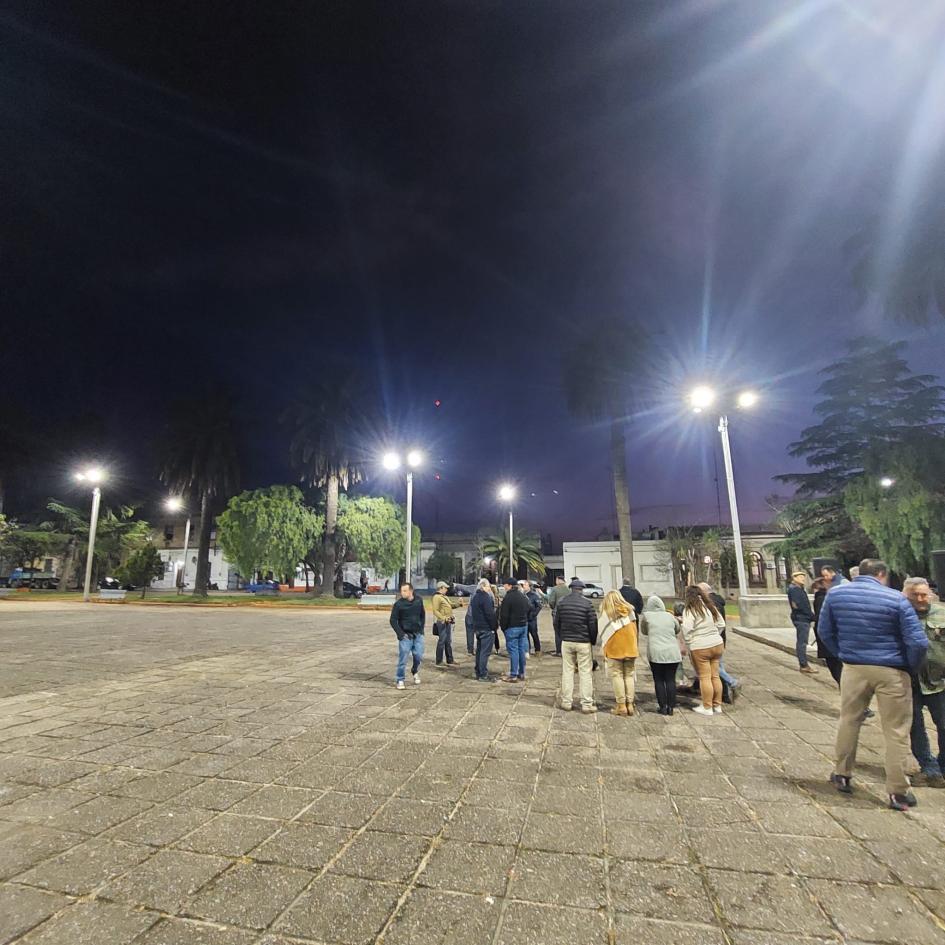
(391, 461)
(93, 475)
(701, 399)
(174, 504)
(507, 494)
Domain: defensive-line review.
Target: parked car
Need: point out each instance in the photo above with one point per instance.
(463, 590)
(351, 590)
(263, 587)
(593, 590)
(113, 584)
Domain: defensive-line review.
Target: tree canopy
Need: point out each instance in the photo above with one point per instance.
(372, 530)
(141, 567)
(442, 566)
(527, 551)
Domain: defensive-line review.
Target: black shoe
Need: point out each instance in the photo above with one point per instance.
(868, 714)
(556, 653)
(842, 783)
(669, 711)
(902, 801)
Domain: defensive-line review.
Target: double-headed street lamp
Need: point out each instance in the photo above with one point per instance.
(392, 461)
(175, 504)
(507, 494)
(701, 399)
(92, 475)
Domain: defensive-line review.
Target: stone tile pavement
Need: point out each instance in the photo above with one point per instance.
(246, 777)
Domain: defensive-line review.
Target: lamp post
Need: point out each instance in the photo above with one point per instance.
(701, 399)
(507, 494)
(392, 461)
(94, 475)
(175, 504)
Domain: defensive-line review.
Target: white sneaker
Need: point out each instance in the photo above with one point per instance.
(717, 710)
(702, 710)
(416, 679)
(400, 684)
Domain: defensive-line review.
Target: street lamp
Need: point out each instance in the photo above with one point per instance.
(391, 461)
(887, 482)
(507, 494)
(175, 504)
(700, 399)
(93, 475)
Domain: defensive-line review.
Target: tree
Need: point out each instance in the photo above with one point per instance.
(268, 530)
(596, 378)
(141, 568)
(372, 530)
(323, 423)
(527, 550)
(684, 551)
(200, 460)
(442, 566)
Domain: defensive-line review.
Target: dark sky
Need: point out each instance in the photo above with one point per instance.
(239, 193)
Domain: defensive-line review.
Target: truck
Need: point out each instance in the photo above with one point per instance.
(30, 577)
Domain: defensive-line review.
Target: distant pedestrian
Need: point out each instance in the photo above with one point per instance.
(661, 630)
(876, 632)
(802, 616)
(513, 619)
(537, 601)
(576, 622)
(701, 626)
(632, 596)
(443, 626)
(834, 664)
(928, 685)
(555, 596)
(408, 618)
(484, 623)
(832, 577)
(470, 630)
(618, 642)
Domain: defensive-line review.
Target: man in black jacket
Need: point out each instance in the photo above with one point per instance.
(513, 619)
(537, 602)
(802, 616)
(576, 622)
(483, 620)
(632, 596)
(408, 618)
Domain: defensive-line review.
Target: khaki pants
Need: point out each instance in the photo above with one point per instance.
(576, 656)
(893, 691)
(621, 676)
(706, 664)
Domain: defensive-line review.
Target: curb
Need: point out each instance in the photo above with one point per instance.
(783, 647)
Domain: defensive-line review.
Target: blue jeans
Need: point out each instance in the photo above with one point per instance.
(920, 738)
(409, 646)
(802, 627)
(516, 642)
(728, 679)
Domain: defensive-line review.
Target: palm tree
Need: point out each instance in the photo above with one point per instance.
(322, 449)
(200, 460)
(596, 377)
(527, 552)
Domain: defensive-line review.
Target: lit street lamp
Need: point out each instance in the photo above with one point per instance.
(886, 482)
(507, 494)
(391, 462)
(94, 475)
(175, 504)
(700, 399)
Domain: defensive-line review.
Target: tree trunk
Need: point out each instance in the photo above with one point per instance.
(327, 585)
(202, 577)
(618, 459)
(68, 564)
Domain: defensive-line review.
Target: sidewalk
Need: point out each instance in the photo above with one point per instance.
(782, 638)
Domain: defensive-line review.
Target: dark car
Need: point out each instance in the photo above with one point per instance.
(351, 590)
(263, 587)
(113, 584)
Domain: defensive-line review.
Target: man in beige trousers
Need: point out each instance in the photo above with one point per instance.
(875, 632)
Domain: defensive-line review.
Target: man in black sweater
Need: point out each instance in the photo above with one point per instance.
(513, 619)
(802, 616)
(632, 596)
(576, 622)
(408, 617)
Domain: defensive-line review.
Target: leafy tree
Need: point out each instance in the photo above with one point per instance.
(597, 381)
(684, 551)
(372, 530)
(71, 523)
(268, 530)
(323, 423)
(442, 566)
(141, 568)
(527, 550)
(200, 460)
(23, 546)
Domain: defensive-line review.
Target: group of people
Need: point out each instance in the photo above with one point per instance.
(698, 628)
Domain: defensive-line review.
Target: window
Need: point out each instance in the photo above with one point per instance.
(47, 565)
(168, 532)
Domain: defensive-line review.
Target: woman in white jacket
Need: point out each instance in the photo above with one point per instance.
(701, 625)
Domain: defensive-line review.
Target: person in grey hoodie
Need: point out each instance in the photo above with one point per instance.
(661, 630)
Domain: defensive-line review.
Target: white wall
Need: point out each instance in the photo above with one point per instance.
(599, 561)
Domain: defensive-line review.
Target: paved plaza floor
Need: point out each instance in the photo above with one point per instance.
(175, 776)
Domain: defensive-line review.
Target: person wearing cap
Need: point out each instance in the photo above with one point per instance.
(802, 616)
(443, 624)
(513, 619)
(576, 622)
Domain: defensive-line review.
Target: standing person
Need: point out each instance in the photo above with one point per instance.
(832, 577)
(928, 685)
(470, 630)
(555, 596)
(819, 587)
(576, 623)
(731, 688)
(537, 602)
(701, 625)
(443, 625)
(618, 643)
(482, 609)
(802, 616)
(876, 633)
(632, 596)
(661, 629)
(513, 619)
(408, 619)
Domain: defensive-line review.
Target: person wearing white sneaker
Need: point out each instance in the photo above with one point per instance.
(701, 623)
(407, 618)
(702, 710)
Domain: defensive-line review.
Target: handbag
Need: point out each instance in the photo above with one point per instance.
(436, 628)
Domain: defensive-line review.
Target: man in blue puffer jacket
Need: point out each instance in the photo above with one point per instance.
(875, 632)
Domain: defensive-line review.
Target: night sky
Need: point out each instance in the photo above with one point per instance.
(238, 193)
